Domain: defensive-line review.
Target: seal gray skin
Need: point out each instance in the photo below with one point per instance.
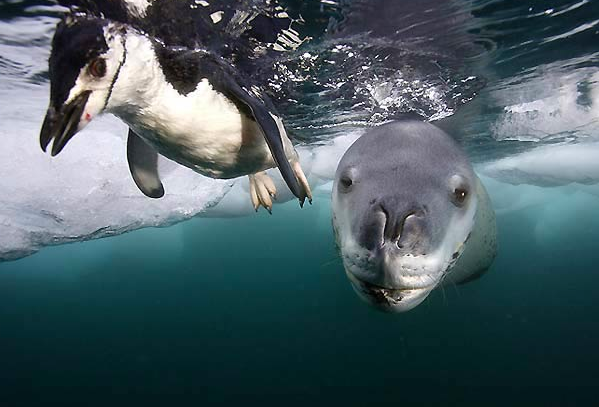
(409, 214)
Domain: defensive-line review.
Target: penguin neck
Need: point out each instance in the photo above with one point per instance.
(140, 80)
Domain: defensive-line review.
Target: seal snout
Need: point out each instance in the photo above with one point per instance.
(393, 228)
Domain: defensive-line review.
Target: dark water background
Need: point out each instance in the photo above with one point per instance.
(258, 309)
(227, 312)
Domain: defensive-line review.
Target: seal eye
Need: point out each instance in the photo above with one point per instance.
(345, 182)
(459, 196)
(97, 68)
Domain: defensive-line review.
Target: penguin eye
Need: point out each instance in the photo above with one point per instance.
(459, 196)
(97, 68)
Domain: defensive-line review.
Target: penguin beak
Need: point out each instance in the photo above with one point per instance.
(63, 124)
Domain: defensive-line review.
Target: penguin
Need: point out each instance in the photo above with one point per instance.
(189, 103)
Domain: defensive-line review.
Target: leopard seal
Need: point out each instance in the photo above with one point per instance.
(409, 214)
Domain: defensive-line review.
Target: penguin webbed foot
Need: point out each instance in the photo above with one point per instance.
(262, 191)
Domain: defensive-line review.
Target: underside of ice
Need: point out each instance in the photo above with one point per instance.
(84, 193)
(554, 101)
(551, 166)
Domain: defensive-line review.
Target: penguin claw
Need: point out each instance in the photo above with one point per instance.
(303, 181)
(262, 191)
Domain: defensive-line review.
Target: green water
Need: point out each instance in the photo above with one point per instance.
(236, 311)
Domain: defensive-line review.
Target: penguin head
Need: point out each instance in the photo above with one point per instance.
(87, 55)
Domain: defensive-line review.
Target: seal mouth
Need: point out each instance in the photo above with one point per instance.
(386, 298)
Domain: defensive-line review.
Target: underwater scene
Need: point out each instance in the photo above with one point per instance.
(110, 297)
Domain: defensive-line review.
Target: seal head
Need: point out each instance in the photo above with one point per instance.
(404, 205)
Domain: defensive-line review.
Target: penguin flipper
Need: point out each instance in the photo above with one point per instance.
(143, 164)
(253, 105)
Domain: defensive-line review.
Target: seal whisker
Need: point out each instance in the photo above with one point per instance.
(444, 296)
(335, 260)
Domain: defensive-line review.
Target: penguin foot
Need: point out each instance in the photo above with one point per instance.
(303, 181)
(262, 191)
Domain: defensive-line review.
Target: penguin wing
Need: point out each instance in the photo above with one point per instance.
(143, 164)
(226, 80)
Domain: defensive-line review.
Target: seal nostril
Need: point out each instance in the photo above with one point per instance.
(385, 224)
(402, 231)
(397, 232)
(400, 227)
(385, 213)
